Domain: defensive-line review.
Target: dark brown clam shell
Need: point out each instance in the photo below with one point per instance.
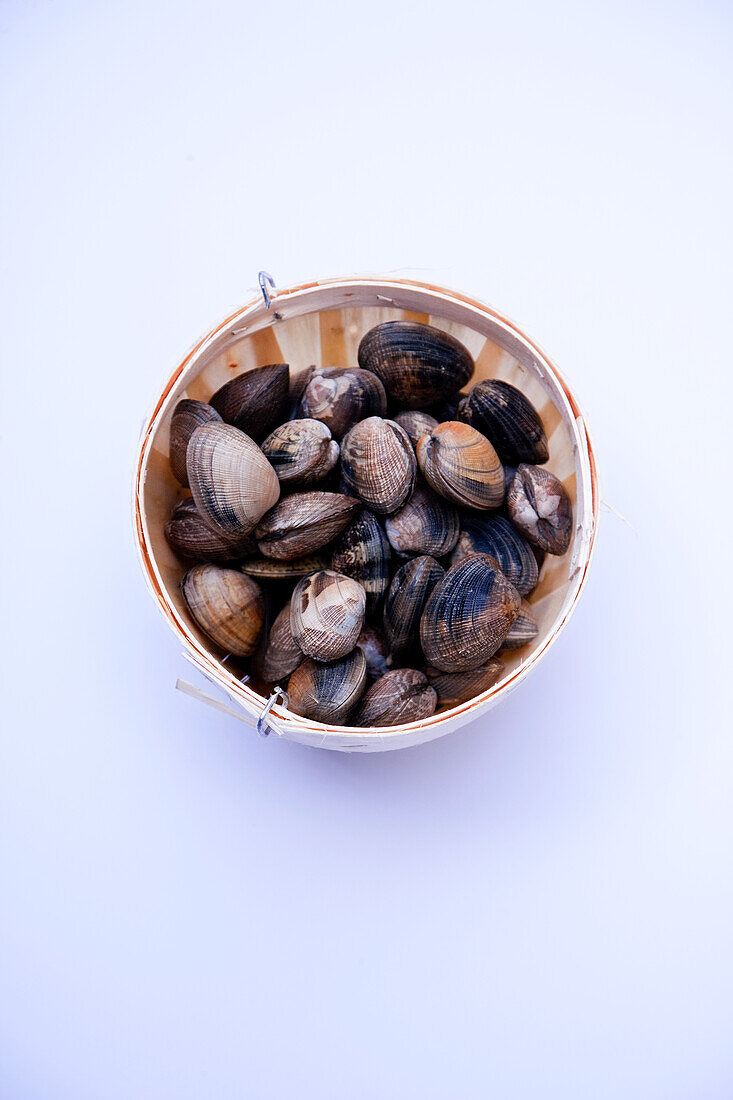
(400, 696)
(186, 418)
(454, 688)
(227, 606)
(192, 539)
(303, 523)
(460, 464)
(363, 552)
(282, 654)
(426, 524)
(496, 536)
(523, 630)
(539, 506)
(256, 401)
(419, 365)
(341, 396)
(271, 569)
(408, 595)
(232, 482)
(416, 424)
(326, 614)
(373, 645)
(468, 615)
(378, 464)
(301, 452)
(505, 416)
(328, 692)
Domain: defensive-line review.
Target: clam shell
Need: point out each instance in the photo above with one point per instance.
(538, 504)
(460, 464)
(301, 452)
(304, 522)
(186, 418)
(341, 396)
(327, 614)
(328, 692)
(468, 615)
(282, 654)
(496, 536)
(419, 365)
(373, 645)
(454, 688)
(505, 416)
(190, 538)
(415, 423)
(227, 606)
(270, 569)
(378, 464)
(426, 524)
(232, 482)
(524, 629)
(402, 695)
(256, 401)
(363, 552)
(408, 594)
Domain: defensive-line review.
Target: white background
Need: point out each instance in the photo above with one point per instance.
(537, 906)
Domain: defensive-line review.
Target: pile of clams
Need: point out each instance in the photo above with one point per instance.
(366, 537)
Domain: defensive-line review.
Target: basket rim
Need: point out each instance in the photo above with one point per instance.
(211, 667)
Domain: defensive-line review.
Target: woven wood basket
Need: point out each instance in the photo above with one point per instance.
(322, 323)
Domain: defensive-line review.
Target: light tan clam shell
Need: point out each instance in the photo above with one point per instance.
(402, 695)
(328, 692)
(229, 607)
(301, 452)
(304, 522)
(426, 524)
(460, 464)
(232, 482)
(378, 464)
(186, 418)
(327, 614)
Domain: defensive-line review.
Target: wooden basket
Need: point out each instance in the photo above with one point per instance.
(322, 323)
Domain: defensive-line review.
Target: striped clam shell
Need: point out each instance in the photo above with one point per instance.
(341, 396)
(509, 419)
(426, 524)
(418, 364)
(327, 614)
(232, 482)
(460, 464)
(272, 569)
(496, 536)
(524, 629)
(415, 423)
(301, 452)
(327, 692)
(539, 505)
(190, 538)
(186, 418)
(227, 606)
(282, 654)
(303, 523)
(256, 401)
(468, 615)
(402, 695)
(378, 464)
(363, 552)
(454, 688)
(408, 594)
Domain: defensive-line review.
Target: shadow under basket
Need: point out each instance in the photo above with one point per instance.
(322, 323)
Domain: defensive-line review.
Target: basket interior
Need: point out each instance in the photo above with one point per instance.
(303, 332)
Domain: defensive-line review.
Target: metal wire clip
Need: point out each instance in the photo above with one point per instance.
(263, 278)
(263, 726)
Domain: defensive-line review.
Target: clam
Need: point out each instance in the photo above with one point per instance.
(232, 482)
(416, 424)
(403, 695)
(460, 464)
(426, 524)
(256, 401)
(227, 606)
(186, 418)
(378, 464)
(418, 364)
(496, 536)
(190, 537)
(454, 688)
(328, 692)
(282, 654)
(538, 504)
(270, 569)
(327, 614)
(340, 396)
(301, 452)
(373, 645)
(363, 552)
(505, 416)
(524, 629)
(408, 594)
(304, 522)
(468, 615)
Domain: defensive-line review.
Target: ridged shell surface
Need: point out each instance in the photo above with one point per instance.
(539, 505)
(523, 630)
(256, 401)
(509, 419)
(460, 464)
(232, 482)
(415, 423)
(468, 616)
(363, 552)
(418, 364)
(271, 569)
(378, 464)
(426, 524)
(496, 536)
(301, 452)
(328, 692)
(187, 416)
(408, 595)
(191, 538)
(454, 688)
(282, 653)
(340, 396)
(303, 523)
(228, 607)
(326, 614)
(400, 696)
